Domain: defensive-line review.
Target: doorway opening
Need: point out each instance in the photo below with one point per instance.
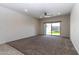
(52, 28)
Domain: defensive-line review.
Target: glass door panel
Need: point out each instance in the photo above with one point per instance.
(48, 28)
(52, 28)
(55, 29)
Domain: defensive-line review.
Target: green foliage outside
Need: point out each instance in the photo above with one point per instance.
(55, 33)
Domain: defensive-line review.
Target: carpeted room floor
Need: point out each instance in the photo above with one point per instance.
(44, 45)
(6, 49)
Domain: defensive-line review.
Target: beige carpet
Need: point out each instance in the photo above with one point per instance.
(44, 45)
(5, 49)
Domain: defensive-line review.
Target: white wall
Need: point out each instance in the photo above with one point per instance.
(65, 24)
(14, 25)
(74, 26)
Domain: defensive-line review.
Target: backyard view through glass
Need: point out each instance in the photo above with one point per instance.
(53, 28)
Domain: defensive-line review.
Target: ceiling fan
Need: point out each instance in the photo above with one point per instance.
(45, 15)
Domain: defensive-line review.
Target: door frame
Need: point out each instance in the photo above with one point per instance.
(51, 28)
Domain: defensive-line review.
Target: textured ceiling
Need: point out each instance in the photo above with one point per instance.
(37, 9)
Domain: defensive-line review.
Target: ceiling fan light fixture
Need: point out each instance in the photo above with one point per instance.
(47, 16)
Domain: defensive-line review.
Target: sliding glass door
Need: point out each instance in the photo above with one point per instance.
(48, 28)
(52, 28)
